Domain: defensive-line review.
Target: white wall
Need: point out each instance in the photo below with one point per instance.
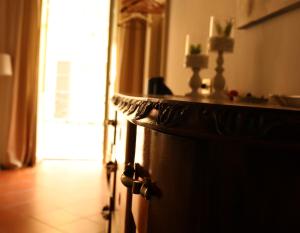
(266, 59)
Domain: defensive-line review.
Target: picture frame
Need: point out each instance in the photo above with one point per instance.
(251, 12)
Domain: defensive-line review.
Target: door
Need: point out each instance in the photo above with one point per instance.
(110, 123)
(72, 79)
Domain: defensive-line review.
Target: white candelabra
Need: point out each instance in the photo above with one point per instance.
(196, 61)
(220, 41)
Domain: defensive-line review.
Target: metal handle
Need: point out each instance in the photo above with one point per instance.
(139, 185)
(128, 180)
(106, 212)
(110, 122)
(146, 189)
(110, 168)
(127, 176)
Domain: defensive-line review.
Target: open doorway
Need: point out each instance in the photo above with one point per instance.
(72, 79)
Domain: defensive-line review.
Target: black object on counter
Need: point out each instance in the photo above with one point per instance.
(156, 86)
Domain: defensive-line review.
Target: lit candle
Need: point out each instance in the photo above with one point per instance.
(211, 26)
(187, 44)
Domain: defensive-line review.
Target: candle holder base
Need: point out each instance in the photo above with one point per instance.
(219, 82)
(194, 94)
(195, 83)
(196, 63)
(219, 96)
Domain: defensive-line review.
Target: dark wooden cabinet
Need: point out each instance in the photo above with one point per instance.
(119, 201)
(208, 167)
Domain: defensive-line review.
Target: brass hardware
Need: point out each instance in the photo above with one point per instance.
(110, 122)
(136, 186)
(110, 168)
(146, 190)
(106, 212)
(127, 176)
(141, 184)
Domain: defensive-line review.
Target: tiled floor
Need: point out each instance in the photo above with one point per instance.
(53, 197)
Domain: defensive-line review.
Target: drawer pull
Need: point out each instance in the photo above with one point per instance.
(141, 184)
(146, 189)
(111, 167)
(110, 122)
(127, 176)
(106, 212)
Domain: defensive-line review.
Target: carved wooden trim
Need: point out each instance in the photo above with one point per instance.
(198, 119)
(168, 113)
(171, 114)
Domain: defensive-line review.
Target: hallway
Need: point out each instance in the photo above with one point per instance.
(53, 197)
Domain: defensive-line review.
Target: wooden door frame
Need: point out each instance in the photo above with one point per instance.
(112, 24)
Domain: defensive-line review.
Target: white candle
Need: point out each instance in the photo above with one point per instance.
(211, 26)
(187, 44)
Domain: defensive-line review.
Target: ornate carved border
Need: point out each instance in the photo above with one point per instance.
(196, 119)
(167, 113)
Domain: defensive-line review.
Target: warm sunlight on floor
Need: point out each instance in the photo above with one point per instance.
(55, 196)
